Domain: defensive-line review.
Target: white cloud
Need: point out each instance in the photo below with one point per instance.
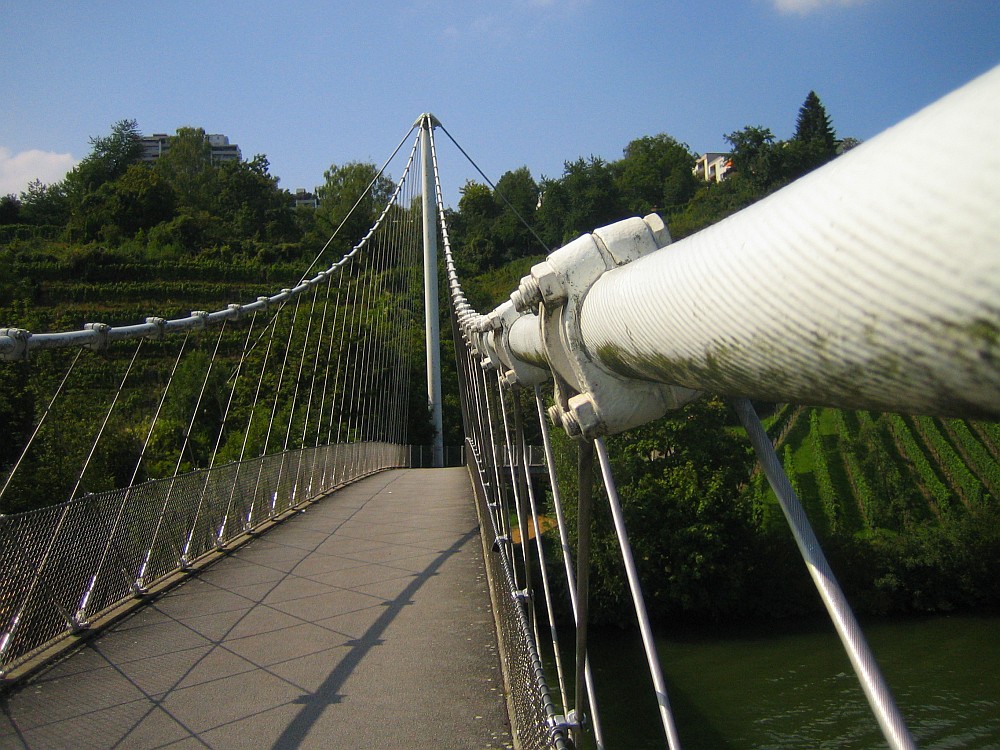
(17, 170)
(802, 7)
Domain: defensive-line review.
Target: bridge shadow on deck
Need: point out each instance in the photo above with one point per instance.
(364, 622)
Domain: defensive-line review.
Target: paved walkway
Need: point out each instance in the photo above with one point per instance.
(364, 622)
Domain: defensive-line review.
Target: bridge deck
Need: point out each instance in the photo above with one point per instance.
(363, 623)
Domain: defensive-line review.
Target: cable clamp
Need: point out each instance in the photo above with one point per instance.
(590, 400)
(503, 320)
(14, 343)
(521, 595)
(200, 317)
(560, 724)
(101, 329)
(159, 326)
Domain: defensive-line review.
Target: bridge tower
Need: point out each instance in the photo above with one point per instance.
(432, 330)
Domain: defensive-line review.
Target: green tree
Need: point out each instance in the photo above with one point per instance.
(585, 197)
(109, 158)
(813, 125)
(516, 199)
(187, 166)
(249, 200)
(138, 200)
(757, 158)
(655, 173)
(814, 142)
(353, 195)
(471, 229)
(43, 204)
(10, 209)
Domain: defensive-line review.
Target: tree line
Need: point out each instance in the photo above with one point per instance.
(185, 204)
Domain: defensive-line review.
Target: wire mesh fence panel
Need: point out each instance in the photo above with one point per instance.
(533, 711)
(66, 565)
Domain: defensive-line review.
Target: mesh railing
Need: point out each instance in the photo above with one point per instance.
(533, 713)
(66, 565)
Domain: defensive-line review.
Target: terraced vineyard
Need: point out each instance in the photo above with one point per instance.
(861, 471)
(61, 287)
(909, 506)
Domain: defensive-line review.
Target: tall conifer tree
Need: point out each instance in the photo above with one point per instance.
(813, 125)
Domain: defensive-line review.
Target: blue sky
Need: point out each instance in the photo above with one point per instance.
(516, 82)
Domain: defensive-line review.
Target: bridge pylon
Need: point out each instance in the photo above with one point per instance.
(431, 323)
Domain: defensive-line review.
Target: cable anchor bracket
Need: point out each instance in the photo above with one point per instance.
(590, 400)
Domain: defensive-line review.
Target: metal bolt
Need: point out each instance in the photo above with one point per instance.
(550, 285)
(570, 424)
(585, 414)
(528, 296)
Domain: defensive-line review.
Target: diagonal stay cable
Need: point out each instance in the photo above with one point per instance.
(41, 421)
(639, 604)
(496, 192)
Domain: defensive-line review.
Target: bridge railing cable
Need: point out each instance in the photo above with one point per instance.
(256, 428)
(865, 284)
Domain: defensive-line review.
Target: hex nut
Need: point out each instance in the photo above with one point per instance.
(586, 415)
(550, 285)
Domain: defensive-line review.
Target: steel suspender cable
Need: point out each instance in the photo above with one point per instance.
(295, 397)
(248, 521)
(81, 611)
(41, 421)
(220, 533)
(312, 387)
(542, 566)
(567, 556)
(585, 503)
(508, 456)
(184, 558)
(638, 602)
(872, 682)
(104, 423)
(329, 359)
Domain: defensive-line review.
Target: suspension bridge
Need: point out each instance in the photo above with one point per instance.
(290, 582)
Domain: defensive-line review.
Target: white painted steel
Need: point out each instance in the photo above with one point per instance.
(431, 312)
(873, 282)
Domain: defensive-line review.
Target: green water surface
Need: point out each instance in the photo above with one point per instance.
(791, 686)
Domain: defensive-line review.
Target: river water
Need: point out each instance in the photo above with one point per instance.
(791, 686)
